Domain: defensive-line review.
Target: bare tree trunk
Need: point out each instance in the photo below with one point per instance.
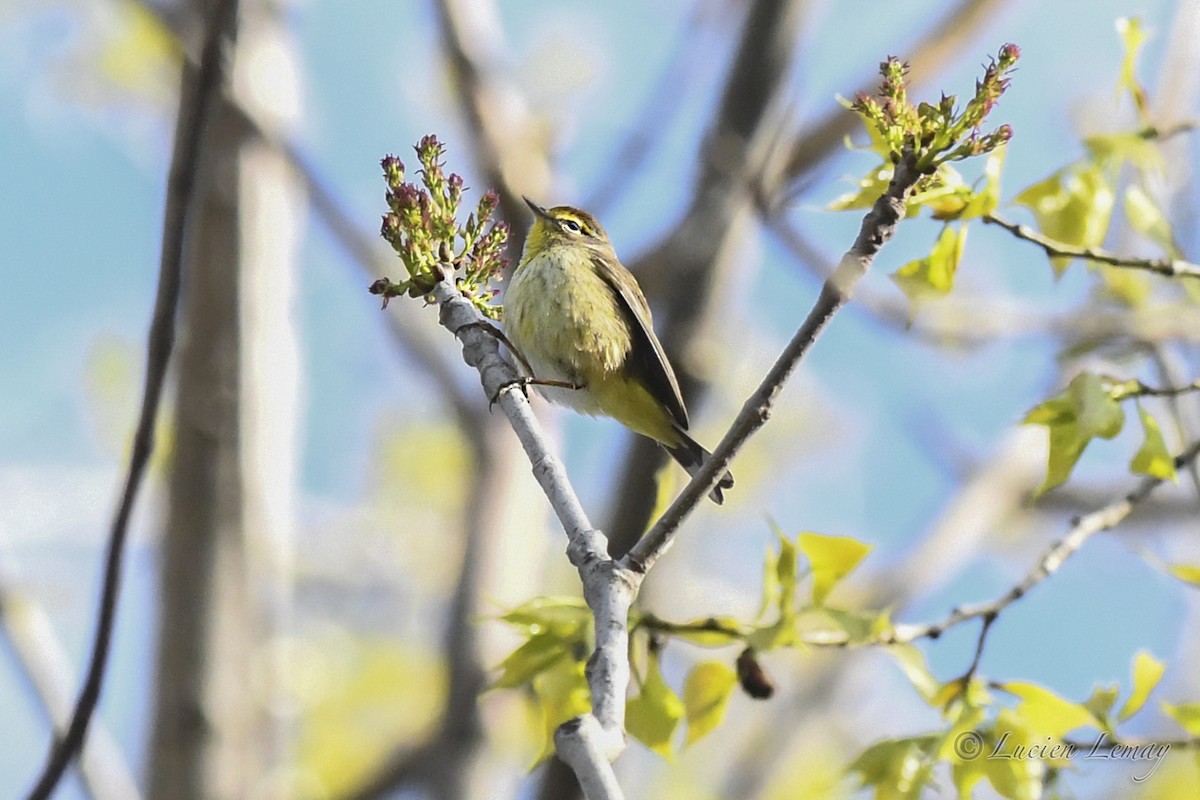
(226, 546)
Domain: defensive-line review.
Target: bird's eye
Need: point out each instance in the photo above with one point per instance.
(571, 225)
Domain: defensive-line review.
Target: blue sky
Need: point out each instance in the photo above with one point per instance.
(80, 217)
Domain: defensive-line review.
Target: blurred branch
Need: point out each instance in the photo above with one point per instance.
(1081, 530)
(657, 113)
(689, 269)
(503, 132)
(359, 245)
(1168, 267)
(47, 666)
(194, 111)
(439, 763)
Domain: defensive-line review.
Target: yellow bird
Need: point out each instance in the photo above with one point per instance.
(581, 321)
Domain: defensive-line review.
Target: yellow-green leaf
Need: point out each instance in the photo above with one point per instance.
(536, 655)
(705, 697)
(1047, 714)
(898, 768)
(986, 200)
(654, 714)
(1147, 218)
(561, 614)
(832, 558)
(766, 638)
(1147, 672)
(786, 572)
(1186, 573)
(1152, 458)
(770, 583)
(1086, 409)
(1096, 412)
(1073, 206)
(1133, 37)
(933, 275)
(870, 187)
(562, 694)
(1101, 701)
(1114, 149)
(1127, 286)
(912, 662)
(1186, 714)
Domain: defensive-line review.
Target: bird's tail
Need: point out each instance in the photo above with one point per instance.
(691, 456)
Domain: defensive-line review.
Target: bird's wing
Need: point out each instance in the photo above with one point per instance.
(646, 359)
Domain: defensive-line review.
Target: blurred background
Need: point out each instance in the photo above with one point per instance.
(333, 519)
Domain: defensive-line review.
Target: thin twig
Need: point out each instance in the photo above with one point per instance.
(984, 628)
(1168, 267)
(1135, 388)
(877, 228)
(194, 113)
(976, 320)
(1050, 562)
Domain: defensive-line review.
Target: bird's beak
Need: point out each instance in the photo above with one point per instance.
(537, 210)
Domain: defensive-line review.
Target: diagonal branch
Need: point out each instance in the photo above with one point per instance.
(591, 742)
(194, 111)
(878, 227)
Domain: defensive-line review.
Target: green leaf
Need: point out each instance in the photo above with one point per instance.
(1018, 778)
(537, 654)
(1147, 218)
(912, 662)
(1186, 714)
(563, 614)
(562, 694)
(1186, 573)
(1085, 410)
(765, 638)
(1073, 206)
(870, 187)
(1101, 701)
(945, 197)
(832, 558)
(1152, 458)
(1147, 672)
(1046, 714)
(933, 276)
(985, 201)
(899, 768)
(705, 697)
(1096, 413)
(1133, 37)
(1127, 286)
(770, 583)
(785, 570)
(654, 714)
(1114, 149)
(824, 624)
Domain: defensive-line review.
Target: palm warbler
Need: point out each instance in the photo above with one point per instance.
(580, 320)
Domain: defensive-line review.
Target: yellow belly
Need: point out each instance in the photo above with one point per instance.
(571, 326)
